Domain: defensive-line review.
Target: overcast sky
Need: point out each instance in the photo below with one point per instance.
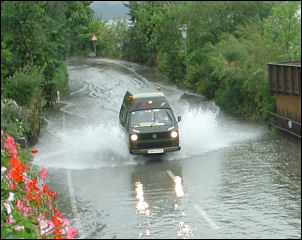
(110, 2)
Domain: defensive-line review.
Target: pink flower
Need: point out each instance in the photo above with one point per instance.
(43, 173)
(7, 207)
(10, 219)
(12, 152)
(10, 146)
(26, 182)
(24, 207)
(12, 186)
(45, 226)
(19, 228)
(1, 133)
(71, 232)
(49, 204)
(9, 142)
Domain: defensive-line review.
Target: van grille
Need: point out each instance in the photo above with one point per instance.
(151, 136)
(155, 140)
(154, 144)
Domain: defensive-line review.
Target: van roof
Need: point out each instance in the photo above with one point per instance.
(145, 98)
(146, 92)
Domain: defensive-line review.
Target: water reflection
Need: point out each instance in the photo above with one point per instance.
(156, 183)
(178, 186)
(141, 205)
(184, 230)
(159, 190)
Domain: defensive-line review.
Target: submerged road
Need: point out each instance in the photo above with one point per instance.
(231, 179)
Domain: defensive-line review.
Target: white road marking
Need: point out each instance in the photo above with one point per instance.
(197, 207)
(73, 205)
(171, 174)
(206, 217)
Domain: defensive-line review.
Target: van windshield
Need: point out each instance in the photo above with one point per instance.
(151, 117)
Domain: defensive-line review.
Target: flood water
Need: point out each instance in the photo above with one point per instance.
(231, 178)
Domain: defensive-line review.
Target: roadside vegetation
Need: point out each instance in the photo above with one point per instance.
(226, 51)
(224, 57)
(36, 38)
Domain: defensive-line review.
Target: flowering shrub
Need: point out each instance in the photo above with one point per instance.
(28, 207)
(21, 121)
(14, 118)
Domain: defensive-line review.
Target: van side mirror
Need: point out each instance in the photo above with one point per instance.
(179, 118)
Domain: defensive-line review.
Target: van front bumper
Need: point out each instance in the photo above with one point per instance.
(155, 150)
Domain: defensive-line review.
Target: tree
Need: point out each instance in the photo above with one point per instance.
(22, 30)
(283, 29)
(78, 17)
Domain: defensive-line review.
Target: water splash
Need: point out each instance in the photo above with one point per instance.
(204, 129)
(199, 131)
(90, 147)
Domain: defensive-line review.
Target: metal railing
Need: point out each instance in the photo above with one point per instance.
(285, 124)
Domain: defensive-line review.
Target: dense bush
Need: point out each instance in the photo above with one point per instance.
(24, 85)
(18, 121)
(22, 102)
(29, 89)
(56, 80)
(61, 78)
(14, 118)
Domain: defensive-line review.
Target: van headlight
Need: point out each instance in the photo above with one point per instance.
(174, 134)
(133, 137)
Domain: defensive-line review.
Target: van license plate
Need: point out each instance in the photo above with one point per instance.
(151, 151)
